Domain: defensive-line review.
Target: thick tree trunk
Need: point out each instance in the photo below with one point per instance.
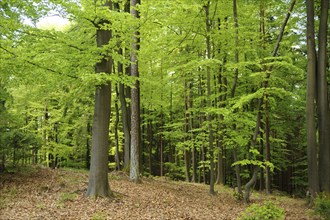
(98, 176)
(323, 101)
(313, 178)
(135, 106)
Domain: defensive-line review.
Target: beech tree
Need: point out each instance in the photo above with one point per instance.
(317, 89)
(135, 93)
(313, 180)
(98, 177)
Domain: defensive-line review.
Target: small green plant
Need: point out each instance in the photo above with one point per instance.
(12, 192)
(3, 202)
(238, 196)
(322, 206)
(262, 212)
(99, 216)
(65, 197)
(68, 197)
(40, 205)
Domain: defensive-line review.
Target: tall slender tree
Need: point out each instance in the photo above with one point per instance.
(313, 179)
(209, 93)
(322, 99)
(135, 94)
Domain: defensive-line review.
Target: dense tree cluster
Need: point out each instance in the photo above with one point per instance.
(197, 90)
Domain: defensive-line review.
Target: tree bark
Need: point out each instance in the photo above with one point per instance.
(135, 106)
(313, 178)
(186, 130)
(98, 176)
(116, 131)
(88, 151)
(323, 101)
(267, 140)
(209, 101)
(249, 185)
(236, 48)
(232, 93)
(123, 104)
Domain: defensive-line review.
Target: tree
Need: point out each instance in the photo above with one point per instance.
(317, 89)
(98, 177)
(209, 101)
(135, 93)
(313, 180)
(323, 99)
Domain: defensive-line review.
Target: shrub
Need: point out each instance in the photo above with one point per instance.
(174, 172)
(262, 212)
(322, 206)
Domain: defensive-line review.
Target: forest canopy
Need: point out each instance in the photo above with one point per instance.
(196, 90)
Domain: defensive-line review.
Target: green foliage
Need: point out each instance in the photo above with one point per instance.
(262, 212)
(99, 216)
(174, 172)
(322, 206)
(238, 196)
(48, 82)
(255, 162)
(66, 197)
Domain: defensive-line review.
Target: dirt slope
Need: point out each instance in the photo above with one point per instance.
(59, 194)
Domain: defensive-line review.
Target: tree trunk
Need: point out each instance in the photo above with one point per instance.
(313, 178)
(221, 164)
(122, 98)
(98, 177)
(161, 145)
(238, 173)
(88, 156)
(249, 185)
(98, 184)
(186, 130)
(125, 121)
(187, 164)
(209, 101)
(236, 48)
(322, 100)
(246, 194)
(135, 106)
(267, 140)
(116, 131)
(149, 138)
(191, 127)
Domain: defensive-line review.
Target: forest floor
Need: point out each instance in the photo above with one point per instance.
(41, 193)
